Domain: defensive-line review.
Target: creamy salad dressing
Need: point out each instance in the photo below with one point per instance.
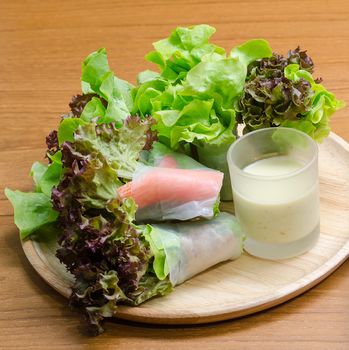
(277, 218)
(274, 166)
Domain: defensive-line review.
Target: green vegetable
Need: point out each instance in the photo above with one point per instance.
(251, 51)
(106, 98)
(197, 121)
(162, 244)
(97, 78)
(67, 128)
(51, 176)
(182, 50)
(315, 121)
(221, 80)
(99, 243)
(120, 147)
(93, 109)
(282, 92)
(31, 211)
(147, 75)
(37, 170)
(193, 98)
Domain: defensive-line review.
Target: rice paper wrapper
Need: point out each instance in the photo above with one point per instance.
(161, 156)
(175, 194)
(168, 185)
(215, 157)
(183, 250)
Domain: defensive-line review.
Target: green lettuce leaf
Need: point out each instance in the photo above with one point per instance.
(197, 122)
(315, 121)
(31, 211)
(193, 100)
(221, 80)
(251, 50)
(52, 175)
(94, 68)
(36, 172)
(98, 78)
(119, 147)
(145, 93)
(164, 245)
(182, 50)
(93, 109)
(147, 75)
(67, 128)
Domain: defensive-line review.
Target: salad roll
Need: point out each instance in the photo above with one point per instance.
(173, 186)
(182, 250)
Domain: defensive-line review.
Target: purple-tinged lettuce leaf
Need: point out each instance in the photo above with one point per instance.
(119, 147)
(281, 91)
(52, 143)
(78, 103)
(99, 244)
(301, 58)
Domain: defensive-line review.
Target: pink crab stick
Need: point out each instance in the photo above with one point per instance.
(168, 162)
(173, 185)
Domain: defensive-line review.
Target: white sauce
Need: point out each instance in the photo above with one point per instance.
(281, 217)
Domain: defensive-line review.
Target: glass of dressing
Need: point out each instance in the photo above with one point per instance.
(274, 178)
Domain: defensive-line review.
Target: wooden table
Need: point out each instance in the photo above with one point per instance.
(42, 45)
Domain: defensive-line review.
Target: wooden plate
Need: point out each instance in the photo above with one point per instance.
(247, 285)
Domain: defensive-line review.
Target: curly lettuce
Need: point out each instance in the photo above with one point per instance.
(192, 98)
(316, 120)
(99, 244)
(281, 91)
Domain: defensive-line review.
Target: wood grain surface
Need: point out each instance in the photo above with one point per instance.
(42, 44)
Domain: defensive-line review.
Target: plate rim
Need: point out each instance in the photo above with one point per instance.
(179, 316)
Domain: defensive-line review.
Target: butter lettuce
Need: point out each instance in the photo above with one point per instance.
(193, 97)
(98, 78)
(251, 51)
(182, 50)
(106, 98)
(37, 171)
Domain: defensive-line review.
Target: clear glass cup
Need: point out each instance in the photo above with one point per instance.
(277, 203)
